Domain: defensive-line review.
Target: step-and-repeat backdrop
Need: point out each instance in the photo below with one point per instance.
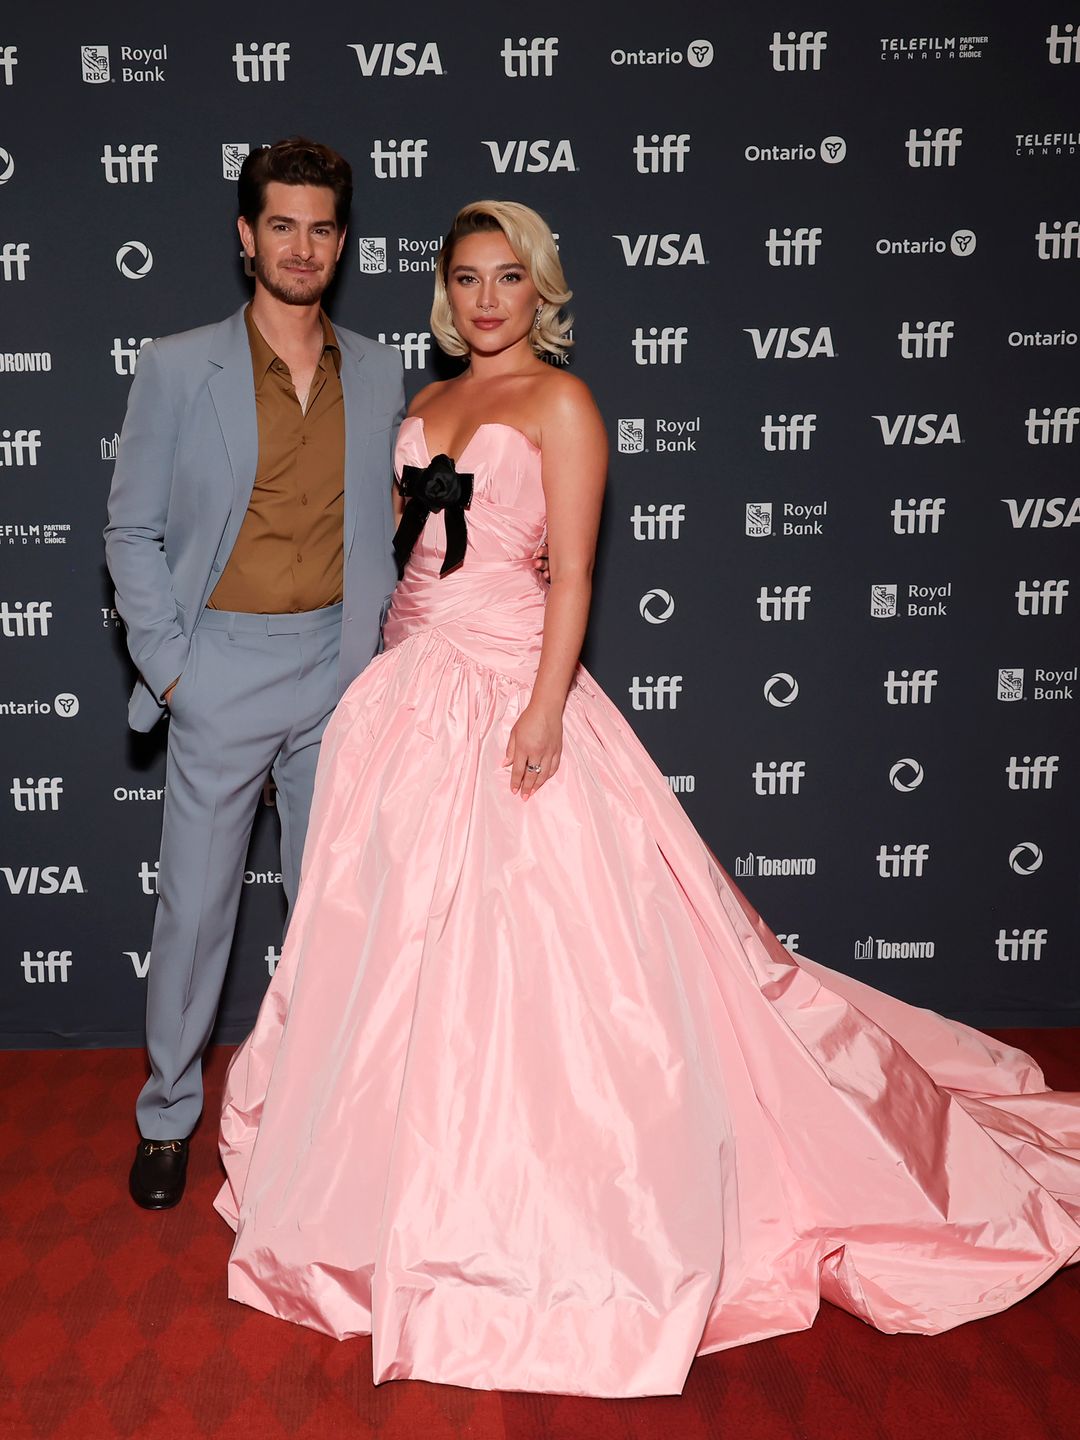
(826, 295)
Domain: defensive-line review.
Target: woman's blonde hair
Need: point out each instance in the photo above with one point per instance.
(532, 242)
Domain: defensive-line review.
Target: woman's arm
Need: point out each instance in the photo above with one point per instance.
(574, 448)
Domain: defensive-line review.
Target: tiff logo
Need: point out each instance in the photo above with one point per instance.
(414, 345)
(779, 777)
(798, 52)
(43, 794)
(925, 341)
(1041, 597)
(661, 154)
(9, 58)
(653, 522)
(272, 958)
(1058, 241)
(148, 877)
(1063, 44)
(936, 148)
(46, 967)
(918, 517)
(1021, 945)
(21, 448)
(399, 160)
(783, 432)
(793, 247)
(1032, 772)
(14, 258)
(895, 862)
(261, 62)
(910, 687)
(529, 57)
(660, 347)
(1052, 428)
(125, 356)
(659, 694)
(783, 602)
(17, 622)
(129, 166)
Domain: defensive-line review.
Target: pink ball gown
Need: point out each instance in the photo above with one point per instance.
(536, 1098)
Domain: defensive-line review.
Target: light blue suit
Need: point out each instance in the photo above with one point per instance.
(254, 691)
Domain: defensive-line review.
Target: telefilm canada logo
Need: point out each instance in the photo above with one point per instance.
(932, 47)
(34, 533)
(1047, 144)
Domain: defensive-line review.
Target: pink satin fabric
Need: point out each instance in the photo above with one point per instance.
(538, 1100)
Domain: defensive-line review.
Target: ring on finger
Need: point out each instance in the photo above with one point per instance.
(533, 769)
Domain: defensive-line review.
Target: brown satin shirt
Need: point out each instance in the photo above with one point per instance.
(289, 552)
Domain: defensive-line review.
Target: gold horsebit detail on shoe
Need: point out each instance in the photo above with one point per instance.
(151, 1145)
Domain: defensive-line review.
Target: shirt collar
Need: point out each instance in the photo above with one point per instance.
(263, 354)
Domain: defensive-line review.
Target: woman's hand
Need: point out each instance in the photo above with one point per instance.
(534, 749)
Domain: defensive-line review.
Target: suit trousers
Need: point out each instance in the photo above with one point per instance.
(253, 700)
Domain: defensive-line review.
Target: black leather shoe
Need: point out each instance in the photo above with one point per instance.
(158, 1174)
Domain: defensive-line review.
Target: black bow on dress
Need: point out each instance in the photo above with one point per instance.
(436, 487)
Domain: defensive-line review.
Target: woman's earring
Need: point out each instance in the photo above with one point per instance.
(536, 318)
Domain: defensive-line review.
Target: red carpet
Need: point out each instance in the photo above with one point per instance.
(114, 1323)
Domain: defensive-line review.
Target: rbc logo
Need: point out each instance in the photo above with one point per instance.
(632, 436)
(372, 252)
(95, 64)
(1010, 685)
(883, 602)
(759, 518)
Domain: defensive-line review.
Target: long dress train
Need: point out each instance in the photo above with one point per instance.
(537, 1099)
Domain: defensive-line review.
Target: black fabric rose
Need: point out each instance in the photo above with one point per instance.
(437, 486)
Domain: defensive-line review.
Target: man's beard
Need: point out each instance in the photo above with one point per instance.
(295, 294)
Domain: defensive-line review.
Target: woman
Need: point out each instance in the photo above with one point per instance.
(535, 1096)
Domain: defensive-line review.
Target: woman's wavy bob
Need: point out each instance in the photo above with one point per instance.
(532, 242)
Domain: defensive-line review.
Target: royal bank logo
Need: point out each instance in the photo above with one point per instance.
(631, 433)
(46, 967)
(930, 429)
(65, 706)
(30, 795)
(232, 160)
(530, 157)
(1025, 858)
(125, 354)
(656, 607)
(19, 447)
(662, 249)
(925, 339)
(95, 64)
(1010, 685)
(661, 693)
(759, 518)
(906, 775)
(698, 55)
(902, 862)
(660, 346)
(43, 880)
(1063, 45)
(918, 517)
(798, 246)
(524, 58)
(372, 254)
(752, 864)
(1052, 427)
(883, 602)
(1032, 772)
(799, 342)
(1058, 240)
(7, 166)
(832, 150)
(409, 57)
(930, 149)
(910, 687)
(129, 165)
(778, 777)
(414, 345)
(1041, 597)
(259, 63)
(134, 260)
(657, 522)
(787, 432)
(961, 242)
(781, 690)
(661, 154)
(399, 159)
(798, 50)
(873, 949)
(783, 602)
(1016, 944)
(14, 258)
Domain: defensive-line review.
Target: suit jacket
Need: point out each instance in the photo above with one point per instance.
(184, 473)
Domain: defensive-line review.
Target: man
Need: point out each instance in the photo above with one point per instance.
(249, 541)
